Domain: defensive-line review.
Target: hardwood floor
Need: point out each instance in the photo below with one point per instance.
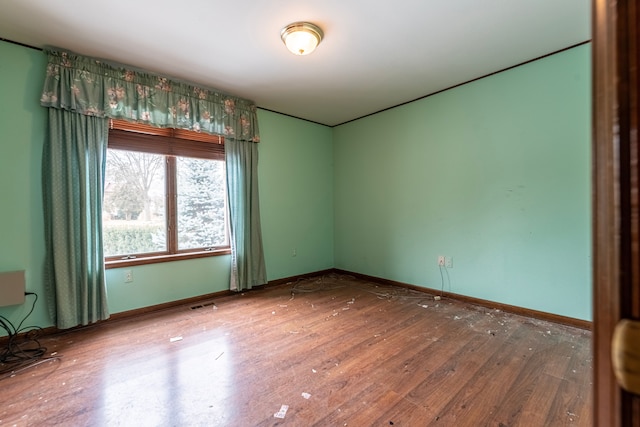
(367, 355)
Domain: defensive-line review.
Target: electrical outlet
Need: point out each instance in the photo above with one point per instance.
(441, 260)
(448, 262)
(294, 252)
(128, 276)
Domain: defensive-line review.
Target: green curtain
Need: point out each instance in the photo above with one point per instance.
(247, 256)
(90, 87)
(95, 88)
(73, 176)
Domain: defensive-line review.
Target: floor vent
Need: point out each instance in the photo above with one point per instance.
(204, 305)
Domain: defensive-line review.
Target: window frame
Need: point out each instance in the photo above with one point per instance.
(170, 143)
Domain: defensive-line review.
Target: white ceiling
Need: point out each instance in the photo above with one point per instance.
(374, 55)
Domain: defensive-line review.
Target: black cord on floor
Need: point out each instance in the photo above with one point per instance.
(20, 349)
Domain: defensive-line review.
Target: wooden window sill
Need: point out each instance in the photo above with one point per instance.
(142, 260)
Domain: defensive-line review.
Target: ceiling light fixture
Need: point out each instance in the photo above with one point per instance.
(301, 38)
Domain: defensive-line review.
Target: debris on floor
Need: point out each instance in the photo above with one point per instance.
(174, 339)
(282, 412)
(306, 395)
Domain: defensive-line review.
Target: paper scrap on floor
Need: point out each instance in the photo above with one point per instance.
(282, 412)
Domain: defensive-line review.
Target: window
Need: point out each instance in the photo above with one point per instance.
(165, 195)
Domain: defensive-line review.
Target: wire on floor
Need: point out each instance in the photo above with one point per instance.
(23, 347)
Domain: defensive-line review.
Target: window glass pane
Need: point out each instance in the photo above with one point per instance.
(201, 210)
(134, 203)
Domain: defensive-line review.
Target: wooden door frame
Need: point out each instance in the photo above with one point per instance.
(616, 243)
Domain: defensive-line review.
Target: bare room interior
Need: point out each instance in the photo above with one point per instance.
(397, 226)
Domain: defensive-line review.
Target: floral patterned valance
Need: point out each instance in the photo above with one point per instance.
(91, 87)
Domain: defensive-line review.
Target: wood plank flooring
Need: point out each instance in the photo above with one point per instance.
(367, 355)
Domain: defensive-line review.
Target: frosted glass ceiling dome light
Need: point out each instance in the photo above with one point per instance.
(301, 38)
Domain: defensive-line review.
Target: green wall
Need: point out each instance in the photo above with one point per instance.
(169, 281)
(296, 195)
(495, 174)
(21, 136)
(295, 170)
